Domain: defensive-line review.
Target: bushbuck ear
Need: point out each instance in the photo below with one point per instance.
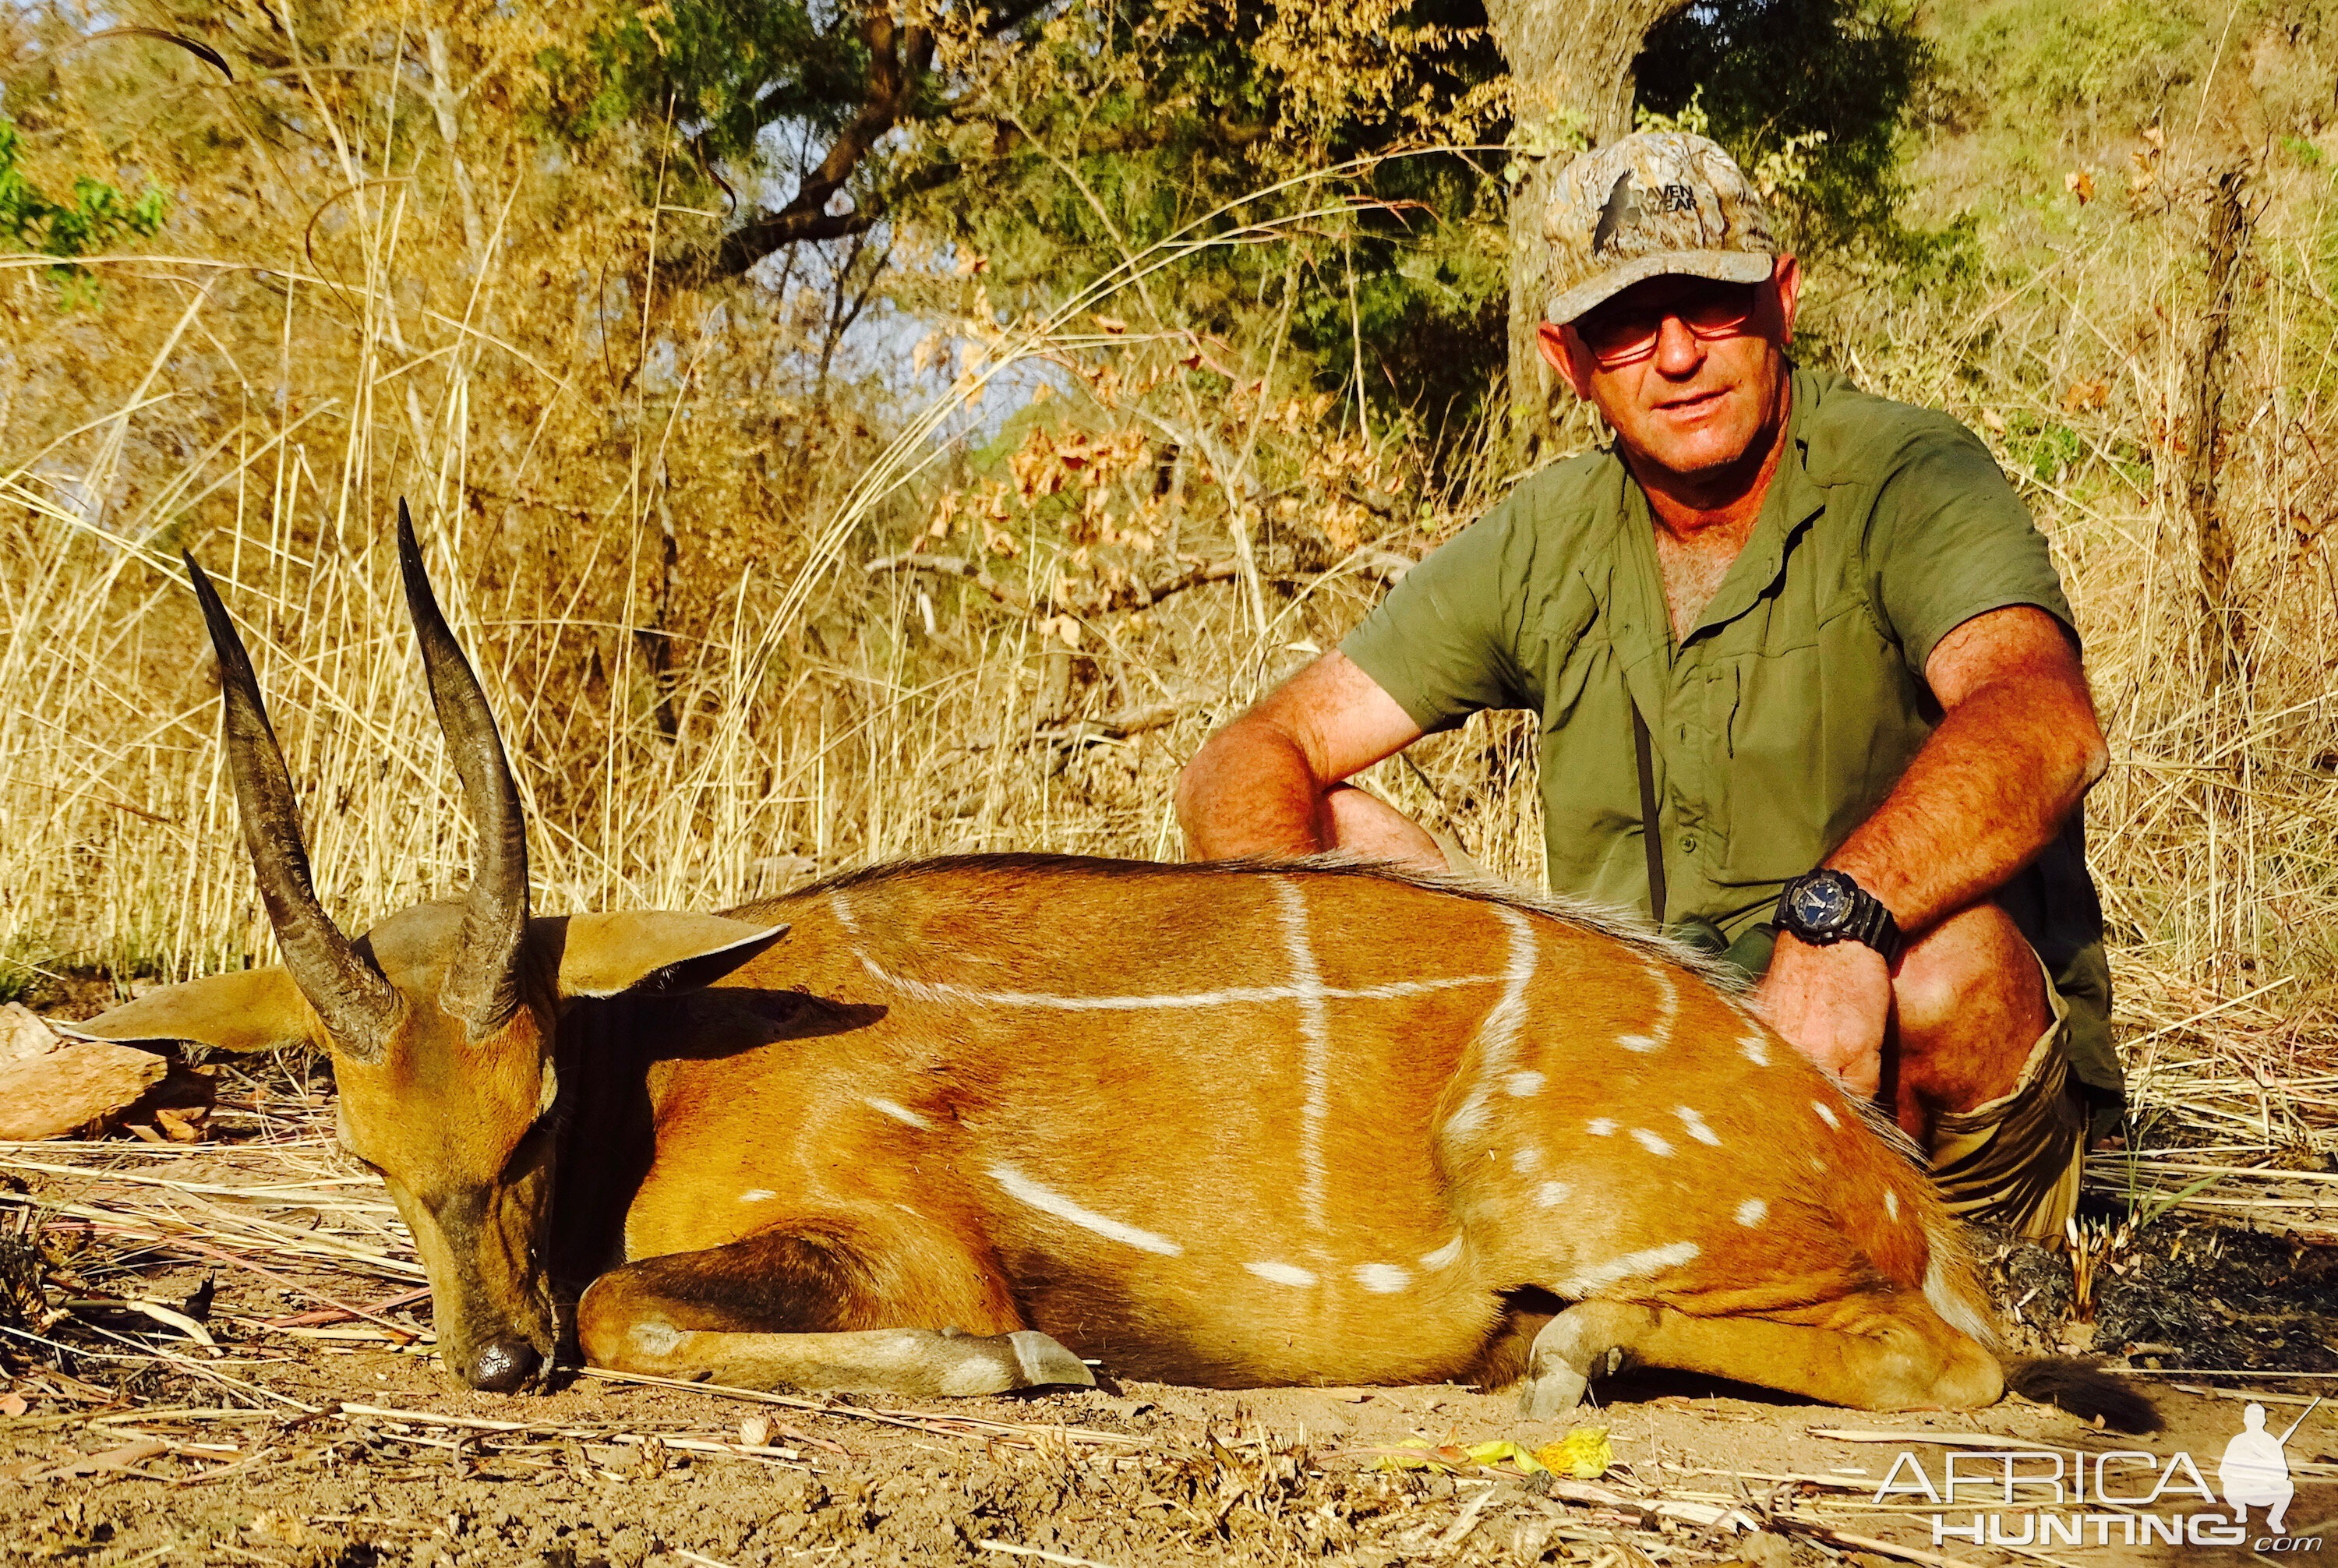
(606, 955)
(246, 1010)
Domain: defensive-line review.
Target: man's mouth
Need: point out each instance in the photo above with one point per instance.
(1693, 403)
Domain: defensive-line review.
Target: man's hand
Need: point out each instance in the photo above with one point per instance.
(1832, 1003)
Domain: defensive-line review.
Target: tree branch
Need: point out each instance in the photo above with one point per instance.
(899, 61)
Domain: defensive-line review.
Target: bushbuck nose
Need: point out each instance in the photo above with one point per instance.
(506, 1366)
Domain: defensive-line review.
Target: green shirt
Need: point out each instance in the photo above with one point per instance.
(1783, 720)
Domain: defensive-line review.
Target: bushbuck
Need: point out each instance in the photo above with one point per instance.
(951, 1127)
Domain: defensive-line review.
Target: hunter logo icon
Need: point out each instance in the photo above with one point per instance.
(1622, 208)
(2256, 1470)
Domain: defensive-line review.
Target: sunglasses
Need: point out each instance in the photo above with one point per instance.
(1624, 333)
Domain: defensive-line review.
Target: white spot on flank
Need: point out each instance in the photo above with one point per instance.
(1381, 1277)
(1650, 1141)
(1524, 1160)
(1892, 1203)
(1498, 1032)
(1282, 1273)
(1752, 1212)
(1551, 1194)
(1631, 1266)
(1524, 1085)
(899, 1112)
(1600, 1127)
(1826, 1113)
(1818, 1164)
(1315, 1035)
(1643, 1043)
(1696, 1127)
(757, 1195)
(1757, 1049)
(654, 1337)
(1445, 1256)
(1047, 1200)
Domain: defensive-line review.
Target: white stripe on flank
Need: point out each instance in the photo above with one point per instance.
(1445, 1256)
(1047, 1200)
(1752, 1212)
(1757, 1049)
(843, 912)
(757, 1195)
(1630, 1266)
(1651, 1141)
(1892, 1203)
(1381, 1279)
(899, 1112)
(1660, 1032)
(1697, 1126)
(948, 993)
(1498, 1032)
(1282, 1273)
(1315, 1036)
(1826, 1113)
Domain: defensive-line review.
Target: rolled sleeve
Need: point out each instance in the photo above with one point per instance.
(1441, 642)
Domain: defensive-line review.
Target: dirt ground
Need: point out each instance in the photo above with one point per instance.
(314, 1428)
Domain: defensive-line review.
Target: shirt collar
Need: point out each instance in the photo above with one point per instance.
(1792, 499)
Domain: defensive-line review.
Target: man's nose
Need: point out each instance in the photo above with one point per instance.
(1679, 351)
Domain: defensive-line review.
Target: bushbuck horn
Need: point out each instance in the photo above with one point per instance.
(358, 1004)
(482, 984)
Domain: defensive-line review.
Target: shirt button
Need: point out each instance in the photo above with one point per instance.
(1688, 843)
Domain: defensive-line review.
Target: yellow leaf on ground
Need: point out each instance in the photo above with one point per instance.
(1584, 1453)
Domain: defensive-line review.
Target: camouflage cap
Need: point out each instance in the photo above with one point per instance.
(1652, 204)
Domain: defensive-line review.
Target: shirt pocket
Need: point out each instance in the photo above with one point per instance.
(1771, 803)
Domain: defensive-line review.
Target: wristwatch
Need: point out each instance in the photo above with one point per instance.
(1826, 906)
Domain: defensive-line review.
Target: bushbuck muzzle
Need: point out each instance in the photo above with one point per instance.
(443, 1020)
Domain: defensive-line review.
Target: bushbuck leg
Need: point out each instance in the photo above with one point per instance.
(785, 1310)
(1899, 1355)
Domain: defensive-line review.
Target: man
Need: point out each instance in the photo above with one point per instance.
(1811, 635)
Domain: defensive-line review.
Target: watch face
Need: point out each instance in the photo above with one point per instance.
(1821, 904)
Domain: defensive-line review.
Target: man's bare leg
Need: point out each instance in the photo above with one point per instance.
(1366, 824)
(1972, 1004)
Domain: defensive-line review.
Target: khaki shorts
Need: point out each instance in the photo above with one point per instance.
(2015, 1160)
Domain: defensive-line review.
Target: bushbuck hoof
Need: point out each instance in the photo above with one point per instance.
(1560, 1368)
(1551, 1394)
(1045, 1363)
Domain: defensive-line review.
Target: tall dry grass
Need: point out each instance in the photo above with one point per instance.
(652, 506)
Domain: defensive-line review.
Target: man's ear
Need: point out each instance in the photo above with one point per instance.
(608, 954)
(1786, 277)
(1559, 352)
(245, 1010)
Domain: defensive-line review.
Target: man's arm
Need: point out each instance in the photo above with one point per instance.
(1265, 784)
(2017, 749)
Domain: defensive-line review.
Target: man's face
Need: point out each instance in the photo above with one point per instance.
(1698, 399)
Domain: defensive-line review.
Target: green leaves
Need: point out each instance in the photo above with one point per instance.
(98, 216)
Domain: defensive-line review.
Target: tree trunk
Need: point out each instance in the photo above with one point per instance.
(1570, 69)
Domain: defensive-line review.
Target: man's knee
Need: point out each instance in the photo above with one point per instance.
(1972, 972)
(1363, 824)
